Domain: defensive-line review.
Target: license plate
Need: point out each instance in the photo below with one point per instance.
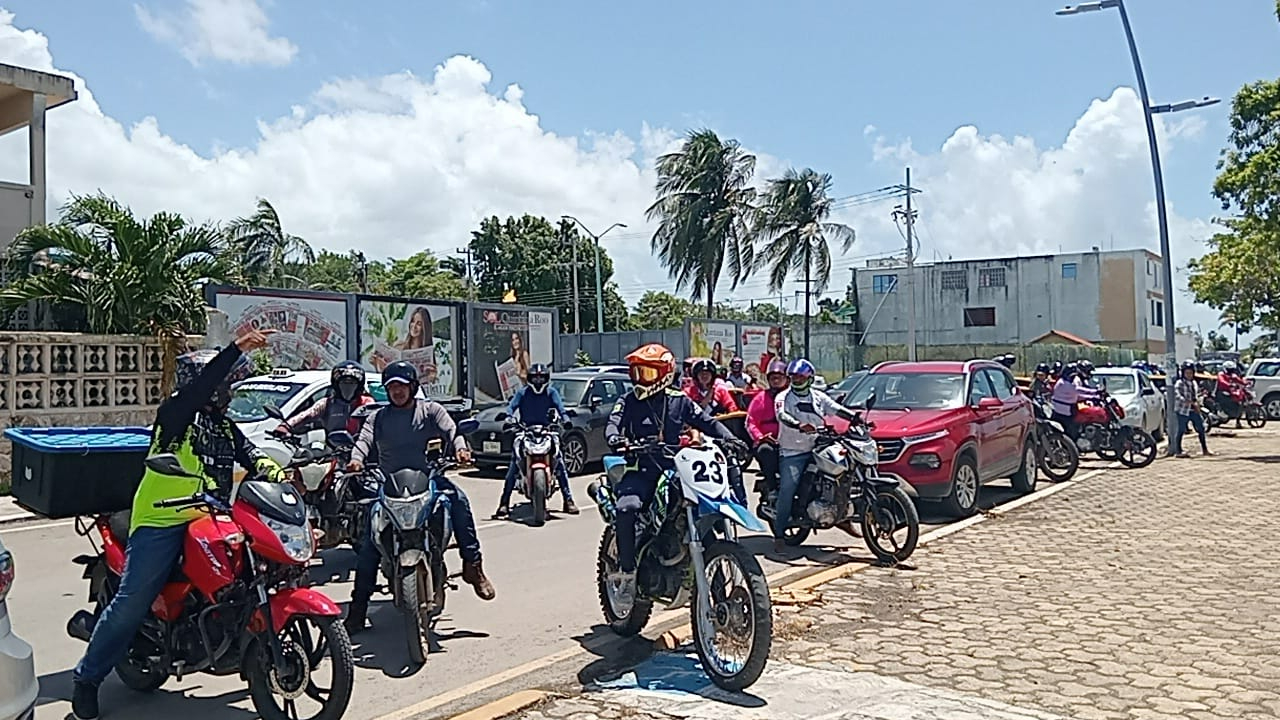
(492, 448)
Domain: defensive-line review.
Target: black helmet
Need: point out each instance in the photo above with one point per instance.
(539, 376)
(735, 364)
(700, 365)
(1042, 368)
(346, 380)
(189, 366)
(401, 371)
(1188, 365)
(1085, 367)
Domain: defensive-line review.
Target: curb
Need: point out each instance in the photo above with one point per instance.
(502, 707)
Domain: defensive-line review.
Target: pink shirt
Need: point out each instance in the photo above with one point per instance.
(762, 419)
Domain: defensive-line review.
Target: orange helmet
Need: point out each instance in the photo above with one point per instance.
(653, 369)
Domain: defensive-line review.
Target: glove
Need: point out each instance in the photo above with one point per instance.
(282, 430)
(617, 441)
(737, 447)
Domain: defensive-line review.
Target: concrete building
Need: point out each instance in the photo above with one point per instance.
(1101, 297)
(25, 97)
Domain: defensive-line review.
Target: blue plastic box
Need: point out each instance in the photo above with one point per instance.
(67, 472)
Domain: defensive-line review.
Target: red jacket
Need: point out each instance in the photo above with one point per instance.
(719, 395)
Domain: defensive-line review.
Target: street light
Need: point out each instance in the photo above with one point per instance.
(1162, 217)
(599, 286)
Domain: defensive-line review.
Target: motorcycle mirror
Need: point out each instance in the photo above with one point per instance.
(273, 411)
(340, 439)
(871, 400)
(468, 426)
(167, 464)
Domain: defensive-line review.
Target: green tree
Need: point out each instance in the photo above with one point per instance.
(656, 310)
(341, 273)
(766, 313)
(725, 311)
(1218, 342)
(1240, 275)
(422, 275)
(705, 205)
(265, 252)
(795, 229)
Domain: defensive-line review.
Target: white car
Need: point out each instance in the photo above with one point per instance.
(18, 684)
(1143, 404)
(1265, 374)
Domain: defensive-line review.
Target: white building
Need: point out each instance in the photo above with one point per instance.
(1103, 297)
(25, 96)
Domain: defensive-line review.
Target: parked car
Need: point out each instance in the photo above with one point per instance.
(588, 394)
(1142, 402)
(608, 367)
(18, 684)
(947, 428)
(1265, 374)
(840, 389)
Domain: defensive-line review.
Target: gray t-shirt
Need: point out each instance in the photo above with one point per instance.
(397, 437)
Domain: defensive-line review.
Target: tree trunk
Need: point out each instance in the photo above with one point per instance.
(711, 304)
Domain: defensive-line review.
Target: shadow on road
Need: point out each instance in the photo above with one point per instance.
(384, 647)
(1269, 459)
(120, 701)
(612, 652)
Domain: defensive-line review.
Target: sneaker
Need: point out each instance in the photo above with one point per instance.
(1205, 452)
(84, 700)
(624, 589)
(354, 622)
(570, 508)
(473, 575)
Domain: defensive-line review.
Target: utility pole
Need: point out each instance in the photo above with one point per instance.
(599, 284)
(466, 252)
(577, 308)
(909, 217)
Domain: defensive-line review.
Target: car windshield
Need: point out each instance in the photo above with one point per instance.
(850, 381)
(1117, 384)
(571, 390)
(250, 396)
(909, 391)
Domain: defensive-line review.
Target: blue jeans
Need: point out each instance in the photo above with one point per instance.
(513, 471)
(1194, 419)
(790, 467)
(150, 556)
(464, 531)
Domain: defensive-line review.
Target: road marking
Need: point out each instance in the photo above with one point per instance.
(42, 526)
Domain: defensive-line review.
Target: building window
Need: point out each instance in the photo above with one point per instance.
(1068, 271)
(1157, 313)
(980, 317)
(881, 284)
(955, 279)
(991, 277)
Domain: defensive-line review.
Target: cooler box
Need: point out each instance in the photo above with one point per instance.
(67, 472)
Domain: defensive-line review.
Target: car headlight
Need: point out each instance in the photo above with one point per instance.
(925, 437)
(404, 513)
(297, 541)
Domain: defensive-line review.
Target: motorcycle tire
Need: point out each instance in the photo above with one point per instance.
(334, 638)
(896, 503)
(134, 676)
(1059, 457)
(1255, 416)
(759, 623)
(538, 484)
(795, 536)
(417, 623)
(1139, 449)
(606, 564)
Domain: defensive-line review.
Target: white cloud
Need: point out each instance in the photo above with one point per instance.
(400, 163)
(233, 31)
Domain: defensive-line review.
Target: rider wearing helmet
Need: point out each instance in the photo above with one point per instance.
(333, 412)
(1229, 391)
(537, 403)
(801, 410)
(397, 435)
(1084, 373)
(651, 409)
(192, 425)
(737, 377)
(707, 391)
(1187, 406)
(762, 424)
(1041, 385)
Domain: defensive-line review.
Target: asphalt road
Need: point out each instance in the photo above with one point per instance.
(546, 603)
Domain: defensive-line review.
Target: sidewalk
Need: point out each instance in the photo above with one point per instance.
(10, 512)
(1135, 594)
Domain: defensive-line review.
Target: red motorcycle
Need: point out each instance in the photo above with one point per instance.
(235, 605)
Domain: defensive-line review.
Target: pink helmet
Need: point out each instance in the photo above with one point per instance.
(777, 366)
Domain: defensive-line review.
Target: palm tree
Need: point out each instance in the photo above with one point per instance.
(795, 231)
(126, 276)
(704, 203)
(265, 250)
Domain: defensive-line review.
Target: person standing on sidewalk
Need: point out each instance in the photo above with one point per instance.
(1187, 406)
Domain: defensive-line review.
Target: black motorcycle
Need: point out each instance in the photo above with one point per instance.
(1059, 456)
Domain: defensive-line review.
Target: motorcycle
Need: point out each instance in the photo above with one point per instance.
(842, 483)
(536, 448)
(1100, 431)
(737, 423)
(328, 492)
(1059, 456)
(234, 605)
(688, 551)
(1247, 408)
(411, 529)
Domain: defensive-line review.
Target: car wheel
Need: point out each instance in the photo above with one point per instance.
(1272, 404)
(1024, 481)
(965, 486)
(574, 452)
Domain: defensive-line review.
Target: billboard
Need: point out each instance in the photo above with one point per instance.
(715, 340)
(505, 341)
(761, 345)
(422, 333)
(311, 329)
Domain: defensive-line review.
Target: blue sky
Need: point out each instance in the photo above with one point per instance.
(800, 84)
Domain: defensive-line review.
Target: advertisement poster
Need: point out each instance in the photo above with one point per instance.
(425, 335)
(718, 341)
(311, 333)
(506, 342)
(761, 345)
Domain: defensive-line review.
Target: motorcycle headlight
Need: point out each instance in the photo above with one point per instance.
(864, 452)
(404, 513)
(297, 541)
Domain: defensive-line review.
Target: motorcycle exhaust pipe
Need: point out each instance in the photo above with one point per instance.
(80, 626)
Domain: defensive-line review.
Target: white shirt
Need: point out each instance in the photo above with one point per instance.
(787, 406)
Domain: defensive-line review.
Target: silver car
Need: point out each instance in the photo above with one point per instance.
(18, 684)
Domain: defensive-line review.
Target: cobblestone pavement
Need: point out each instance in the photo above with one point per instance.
(1135, 594)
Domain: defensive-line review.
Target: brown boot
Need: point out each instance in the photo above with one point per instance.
(473, 575)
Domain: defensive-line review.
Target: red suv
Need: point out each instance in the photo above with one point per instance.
(947, 428)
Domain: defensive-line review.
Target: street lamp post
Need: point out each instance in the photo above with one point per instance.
(599, 285)
(1162, 217)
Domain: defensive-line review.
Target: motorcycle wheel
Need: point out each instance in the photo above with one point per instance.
(276, 691)
(1060, 457)
(417, 617)
(741, 619)
(1106, 452)
(625, 623)
(538, 496)
(1139, 449)
(137, 676)
(892, 507)
(1255, 416)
